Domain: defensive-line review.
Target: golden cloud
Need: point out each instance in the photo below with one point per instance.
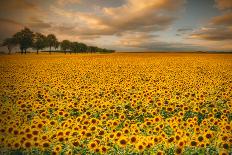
(224, 4)
(131, 16)
(225, 19)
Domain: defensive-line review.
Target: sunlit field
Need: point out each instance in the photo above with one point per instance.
(116, 103)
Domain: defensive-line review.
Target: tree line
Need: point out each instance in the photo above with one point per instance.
(26, 39)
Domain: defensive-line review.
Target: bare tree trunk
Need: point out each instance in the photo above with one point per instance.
(37, 51)
(25, 51)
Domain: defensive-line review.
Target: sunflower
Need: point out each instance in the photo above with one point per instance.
(193, 143)
(103, 149)
(122, 142)
(140, 146)
(223, 152)
(126, 130)
(225, 146)
(69, 152)
(178, 150)
(133, 139)
(92, 145)
(181, 144)
(27, 144)
(75, 142)
(200, 138)
(93, 121)
(208, 135)
(159, 152)
(118, 134)
(45, 144)
(16, 144)
(57, 148)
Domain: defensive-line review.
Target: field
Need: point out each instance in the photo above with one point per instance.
(116, 103)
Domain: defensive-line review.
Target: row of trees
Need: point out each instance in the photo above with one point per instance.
(26, 39)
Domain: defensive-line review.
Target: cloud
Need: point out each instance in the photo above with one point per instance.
(132, 22)
(37, 23)
(9, 21)
(223, 4)
(17, 5)
(225, 19)
(213, 34)
(150, 42)
(8, 27)
(219, 28)
(129, 17)
(66, 2)
(184, 29)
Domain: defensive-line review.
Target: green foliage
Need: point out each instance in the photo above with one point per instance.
(218, 115)
(51, 41)
(74, 112)
(168, 130)
(170, 151)
(27, 39)
(96, 115)
(17, 152)
(24, 38)
(229, 116)
(200, 117)
(128, 107)
(140, 118)
(39, 42)
(65, 45)
(189, 114)
(164, 113)
(214, 128)
(10, 43)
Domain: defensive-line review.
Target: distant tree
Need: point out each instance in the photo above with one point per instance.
(75, 47)
(39, 42)
(51, 41)
(65, 45)
(25, 39)
(57, 44)
(93, 49)
(10, 43)
(83, 47)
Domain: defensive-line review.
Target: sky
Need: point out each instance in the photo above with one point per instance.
(125, 25)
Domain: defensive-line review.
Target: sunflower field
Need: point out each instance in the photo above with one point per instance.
(116, 104)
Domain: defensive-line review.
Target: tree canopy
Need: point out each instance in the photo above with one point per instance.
(10, 43)
(26, 39)
(39, 42)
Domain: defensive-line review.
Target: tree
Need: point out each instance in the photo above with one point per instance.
(51, 41)
(10, 43)
(83, 47)
(66, 45)
(57, 44)
(39, 42)
(75, 47)
(25, 39)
